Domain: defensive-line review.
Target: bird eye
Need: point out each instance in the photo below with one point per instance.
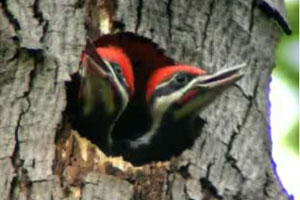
(116, 68)
(181, 79)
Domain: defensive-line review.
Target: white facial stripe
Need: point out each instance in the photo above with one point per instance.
(160, 106)
(108, 64)
(166, 82)
(163, 102)
(121, 88)
(174, 76)
(124, 96)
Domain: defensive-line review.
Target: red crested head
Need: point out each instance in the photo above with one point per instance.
(116, 55)
(162, 74)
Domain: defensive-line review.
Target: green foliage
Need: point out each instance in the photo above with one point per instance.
(293, 15)
(292, 139)
(287, 49)
(287, 67)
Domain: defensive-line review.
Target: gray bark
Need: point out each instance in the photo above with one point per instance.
(40, 46)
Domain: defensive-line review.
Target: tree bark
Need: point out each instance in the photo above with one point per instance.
(40, 46)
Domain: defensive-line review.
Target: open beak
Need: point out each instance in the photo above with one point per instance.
(221, 79)
(96, 86)
(91, 68)
(93, 64)
(205, 89)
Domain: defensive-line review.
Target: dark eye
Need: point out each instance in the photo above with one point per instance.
(116, 68)
(181, 79)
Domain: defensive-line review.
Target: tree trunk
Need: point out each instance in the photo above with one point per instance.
(40, 45)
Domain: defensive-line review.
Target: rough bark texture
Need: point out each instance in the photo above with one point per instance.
(40, 45)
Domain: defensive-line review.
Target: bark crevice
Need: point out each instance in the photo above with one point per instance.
(169, 12)
(207, 22)
(11, 18)
(139, 14)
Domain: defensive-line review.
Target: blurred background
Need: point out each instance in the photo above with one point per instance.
(284, 97)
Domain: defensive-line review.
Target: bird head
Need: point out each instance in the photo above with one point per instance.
(107, 77)
(186, 90)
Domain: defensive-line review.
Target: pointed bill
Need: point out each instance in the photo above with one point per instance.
(205, 89)
(93, 62)
(91, 68)
(221, 79)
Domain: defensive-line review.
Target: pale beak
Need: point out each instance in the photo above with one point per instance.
(206, 88)
(91, 68)
(94, 64)
(221, 79)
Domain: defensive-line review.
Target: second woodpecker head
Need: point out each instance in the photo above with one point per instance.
(183, 91)
(108, 81)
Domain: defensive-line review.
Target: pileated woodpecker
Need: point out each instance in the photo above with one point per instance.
(146, 57)
(173, 98)
(106, 85)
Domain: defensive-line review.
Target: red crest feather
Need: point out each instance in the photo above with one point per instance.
(114, 54)
(144, 54)
(162, 74)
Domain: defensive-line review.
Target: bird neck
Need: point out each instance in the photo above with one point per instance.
(165, 130)
(164, 138)
(98, 111)
(89, 114)
(134, 121)
(97, 127)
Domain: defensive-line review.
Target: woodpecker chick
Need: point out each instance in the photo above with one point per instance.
(174, 96)
(106, 85)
